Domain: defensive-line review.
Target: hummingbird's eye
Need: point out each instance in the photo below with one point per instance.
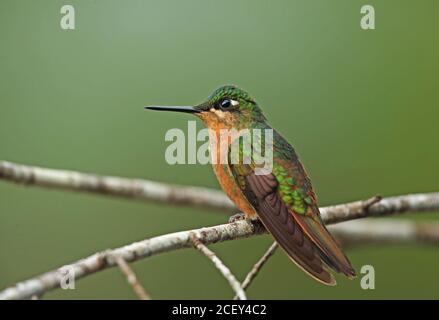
(228, 104)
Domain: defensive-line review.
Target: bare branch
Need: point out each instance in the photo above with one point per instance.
(144, 190)
(131, 252)
(375, 207)
(195, 196)
(231, 231)
(257, 267)
(131, 278)
(355, 210)
(366, 232)
(386, 231)
(225, 271)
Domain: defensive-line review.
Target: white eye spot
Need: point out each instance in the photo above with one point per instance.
(228, 104)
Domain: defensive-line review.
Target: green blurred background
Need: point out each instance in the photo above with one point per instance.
(361, 108)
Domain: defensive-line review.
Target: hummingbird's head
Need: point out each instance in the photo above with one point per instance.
(228, 106)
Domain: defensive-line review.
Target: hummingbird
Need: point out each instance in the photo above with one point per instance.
(283, 199)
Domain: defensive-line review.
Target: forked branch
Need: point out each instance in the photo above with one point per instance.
(225, 271)
(356, 232)
(360, 231)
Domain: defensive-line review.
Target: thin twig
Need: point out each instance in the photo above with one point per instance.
(131, 278)
(257, 267)
(138, 189)
(225, 271)
(231, 231)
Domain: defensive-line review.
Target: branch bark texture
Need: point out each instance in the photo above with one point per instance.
(354, 232)
(242, 229)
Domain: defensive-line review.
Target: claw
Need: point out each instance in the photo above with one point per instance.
(237, 217)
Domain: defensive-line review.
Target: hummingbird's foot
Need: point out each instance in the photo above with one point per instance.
(237, 217)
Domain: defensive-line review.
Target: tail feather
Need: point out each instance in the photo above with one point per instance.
(329, 249)
(303, 237)
(296, 244)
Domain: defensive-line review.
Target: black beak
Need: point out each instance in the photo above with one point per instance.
(186, 109)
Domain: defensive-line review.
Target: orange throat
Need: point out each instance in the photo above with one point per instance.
(221, 169)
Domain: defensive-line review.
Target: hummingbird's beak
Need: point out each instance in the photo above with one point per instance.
(186, 109)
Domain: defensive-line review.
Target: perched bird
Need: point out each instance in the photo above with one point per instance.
(282, 199)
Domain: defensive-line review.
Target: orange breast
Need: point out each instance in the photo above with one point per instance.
(223, 173)
(232, 190)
